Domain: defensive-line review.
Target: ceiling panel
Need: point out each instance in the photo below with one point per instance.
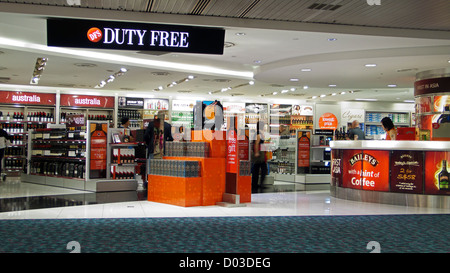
(411, 14)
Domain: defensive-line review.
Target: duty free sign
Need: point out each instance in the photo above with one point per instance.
(134, 36)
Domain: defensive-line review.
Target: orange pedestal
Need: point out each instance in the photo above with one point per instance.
(179, 191)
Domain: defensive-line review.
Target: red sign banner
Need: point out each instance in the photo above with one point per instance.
(87, 101)
(232, 146)
(303, 143)
(28, 98)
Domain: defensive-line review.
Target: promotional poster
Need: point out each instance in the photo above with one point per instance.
(436, 172)
(366, 170)
(407, 171)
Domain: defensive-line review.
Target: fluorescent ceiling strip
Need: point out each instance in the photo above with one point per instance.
(106, 57)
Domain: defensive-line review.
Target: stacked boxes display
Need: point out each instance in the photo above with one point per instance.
(187, 149)
(176, 168)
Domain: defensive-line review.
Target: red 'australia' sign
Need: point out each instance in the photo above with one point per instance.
(28, 98)
(87, 101)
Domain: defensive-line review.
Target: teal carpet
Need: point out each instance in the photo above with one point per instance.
(297, 234)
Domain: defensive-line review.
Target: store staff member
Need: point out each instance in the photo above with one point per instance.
(388, 127)
(124, 122)
(356, 133)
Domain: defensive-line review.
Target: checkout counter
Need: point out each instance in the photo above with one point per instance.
(409, 173)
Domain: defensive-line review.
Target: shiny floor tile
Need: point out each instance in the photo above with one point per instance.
(22, 201)
(265, 204)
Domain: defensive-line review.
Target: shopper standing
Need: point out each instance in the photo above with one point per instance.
(4, 143)
(388, 127)
(154, 136)
(259, 163)
(356, 133)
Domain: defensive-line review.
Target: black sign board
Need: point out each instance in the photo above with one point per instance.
(125, 102)
(134, 36)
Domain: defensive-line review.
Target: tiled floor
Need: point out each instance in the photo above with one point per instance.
(264, 204)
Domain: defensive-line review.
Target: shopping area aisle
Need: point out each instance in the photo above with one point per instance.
(134, 205)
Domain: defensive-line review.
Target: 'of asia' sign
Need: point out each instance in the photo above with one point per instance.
(134, 36)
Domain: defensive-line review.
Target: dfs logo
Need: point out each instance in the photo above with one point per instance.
(94, 34)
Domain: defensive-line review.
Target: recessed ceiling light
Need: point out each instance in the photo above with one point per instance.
(191, 77)
(257, 61)
(370, 65)
(323, 96)
(332, 85)
(305, 87)
(392, 85)
(274, 93)
(306, 70)
(314, 97)
(343, 93)
(284, 91)
(294, 80)
(240, 34)
(293, 89)
(334, 94)
(332, 39)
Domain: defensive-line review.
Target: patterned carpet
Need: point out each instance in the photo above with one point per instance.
(305, 234)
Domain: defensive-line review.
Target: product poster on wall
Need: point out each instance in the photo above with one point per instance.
(303, 142)
(328, 121)
(98, 150)
(436, 172)
(406, 171)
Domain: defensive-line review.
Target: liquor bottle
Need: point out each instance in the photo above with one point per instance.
(443, 177)
(8, 117)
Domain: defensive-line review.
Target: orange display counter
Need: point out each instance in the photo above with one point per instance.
(209, 187)
(205, 190)
(211, 184)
